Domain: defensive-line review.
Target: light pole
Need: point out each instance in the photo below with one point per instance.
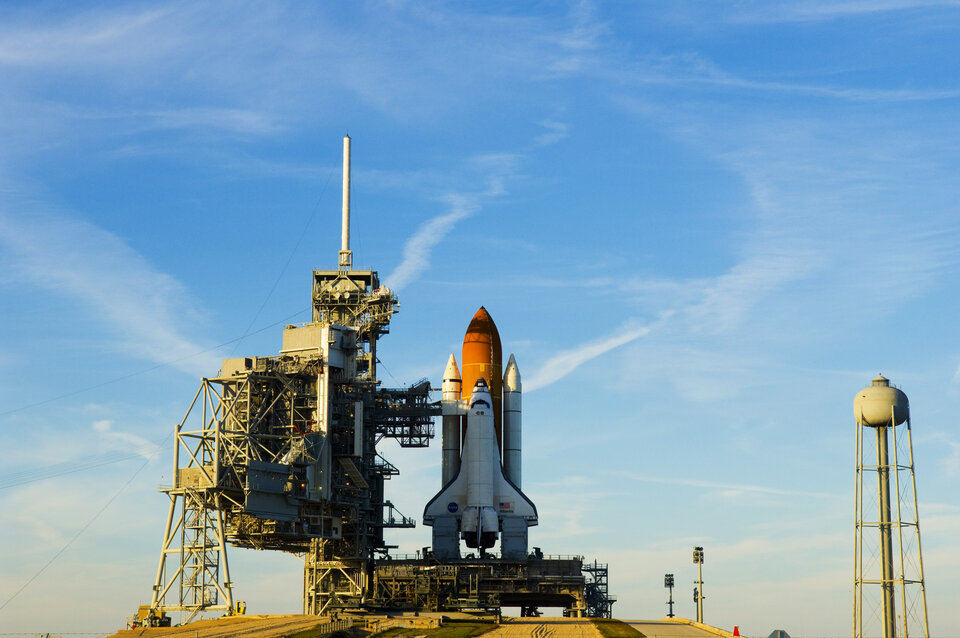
(698, 591)
(668, 583)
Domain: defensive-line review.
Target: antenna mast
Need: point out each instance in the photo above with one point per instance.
(346, 256)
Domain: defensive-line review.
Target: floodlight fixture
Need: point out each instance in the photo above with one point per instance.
(668, 583)
(698, 590)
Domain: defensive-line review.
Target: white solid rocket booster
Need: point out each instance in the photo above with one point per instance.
(451, 422)
(512, 411)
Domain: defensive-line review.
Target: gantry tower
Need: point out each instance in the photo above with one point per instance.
(280, 453)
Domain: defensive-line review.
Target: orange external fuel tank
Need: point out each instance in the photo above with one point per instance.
(482, 357)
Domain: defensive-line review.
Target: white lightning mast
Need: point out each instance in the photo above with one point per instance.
(346, 256)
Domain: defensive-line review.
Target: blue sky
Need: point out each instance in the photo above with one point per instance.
(701, 228)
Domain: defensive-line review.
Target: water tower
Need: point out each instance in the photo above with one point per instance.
(889, 599)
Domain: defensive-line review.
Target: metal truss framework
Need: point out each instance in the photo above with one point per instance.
(599, 602)
(337, 571)
(280, 453)
(194, 532)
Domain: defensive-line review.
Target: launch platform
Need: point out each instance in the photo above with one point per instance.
(489, 584)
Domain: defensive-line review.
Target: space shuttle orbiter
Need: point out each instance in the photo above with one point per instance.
(481, 499)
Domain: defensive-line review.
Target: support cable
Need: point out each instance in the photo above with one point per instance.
(67, 467)
(163, 364)
(395, 380)
(283, 270)
(87, 525)
(236, 341)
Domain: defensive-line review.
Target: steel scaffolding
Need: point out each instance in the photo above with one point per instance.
(280, 453)
(599, 602)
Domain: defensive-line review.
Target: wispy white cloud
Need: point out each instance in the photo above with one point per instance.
(825, 200)
(851, 94)
(765, 11)
(99, 272)
(706, 375)
(231, 119)
(497, 169)
(244, 121)
(944, 522)
(83, 36)
(416, 252)
(225, 56)
(566, 524)
(579, 37)
(950, 464)
(565, 362)
(556, 131)
(494, 171)
(124, 441)
(693, 70)
(766, 545)
(725, 487)
(730, 297)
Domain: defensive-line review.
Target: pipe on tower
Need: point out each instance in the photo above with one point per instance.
(886, 534)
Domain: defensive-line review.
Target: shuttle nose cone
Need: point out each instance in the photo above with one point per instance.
(480, 398)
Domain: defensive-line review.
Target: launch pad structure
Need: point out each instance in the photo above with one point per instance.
(280, 453)
(284, 456)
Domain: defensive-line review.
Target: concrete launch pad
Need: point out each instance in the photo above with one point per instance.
(512, 627)
(583, 628)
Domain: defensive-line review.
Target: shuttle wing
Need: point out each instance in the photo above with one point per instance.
(452, 499)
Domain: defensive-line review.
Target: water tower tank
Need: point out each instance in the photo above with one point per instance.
(873, 406)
